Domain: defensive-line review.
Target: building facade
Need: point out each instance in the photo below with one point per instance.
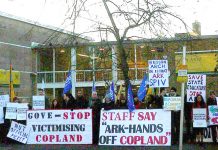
(99, 62)
(17, 37)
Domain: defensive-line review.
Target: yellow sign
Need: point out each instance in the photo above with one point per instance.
(5, 77)
(198, 62)
(182, 74)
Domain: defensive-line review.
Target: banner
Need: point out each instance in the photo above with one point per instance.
(38, 102)
(208, 135)
(141, 127)
(196, 85)
(1, 115)
(18, 132)
(213, 115)
(199, 118)
(198, 62)
(21, 111)
(158, 73)
(60, 126)
(5, 77)
(172, 103)
(11, 111)
(4, 99)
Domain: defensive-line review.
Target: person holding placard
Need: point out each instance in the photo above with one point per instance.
(198, 132)
(175, 119)
(42, 93)
(212, 101)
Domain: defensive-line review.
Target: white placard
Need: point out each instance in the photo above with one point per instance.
(4, 99)
(11, 111)
(1, 115)
(213, 114)
(38, 102)
(60, 126)
(172, 103)
(196, 85)
(199, 118)
(141, 127)
(18, 132)
(21, 111)
(158, 73)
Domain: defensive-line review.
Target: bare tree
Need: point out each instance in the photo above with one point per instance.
(142, 14)
(125, 16)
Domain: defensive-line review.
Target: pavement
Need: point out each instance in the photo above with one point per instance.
(96, 147)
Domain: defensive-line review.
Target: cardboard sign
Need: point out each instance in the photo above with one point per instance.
(172, 103)
(199, 118)
(38, 102)
(4, 99)
(196, 85)
(158, 73)
(142, 127)
(11, 111)
(21, 111)
(18, 132)
(213, 115)
(60, 126)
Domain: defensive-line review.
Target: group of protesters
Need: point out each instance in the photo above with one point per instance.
(151, 101)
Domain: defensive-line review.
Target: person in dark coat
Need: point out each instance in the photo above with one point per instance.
(188, 119)
(96, 111)
(69, 102)
(175, 121)
(108, 104)
(212, 101)
(160, 98)
(198, 132)
(82, 102)
(122, 102)
(55, 104)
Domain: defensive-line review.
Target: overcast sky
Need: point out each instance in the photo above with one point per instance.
(53, 12)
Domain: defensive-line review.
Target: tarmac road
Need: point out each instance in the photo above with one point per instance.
(95, 147)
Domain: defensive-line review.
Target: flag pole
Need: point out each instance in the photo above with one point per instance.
(10, 87)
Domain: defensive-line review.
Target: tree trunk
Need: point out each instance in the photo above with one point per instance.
(123, 64)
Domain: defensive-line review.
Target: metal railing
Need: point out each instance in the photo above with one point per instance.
(87, 75)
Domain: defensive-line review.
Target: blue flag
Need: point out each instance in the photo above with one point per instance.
(68, 83)
(112, 92)
(93, 87)
(142, 89)
(130, 101)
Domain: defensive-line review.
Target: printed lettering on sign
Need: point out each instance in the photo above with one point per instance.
(139, 128)
(196, 85)
(158, 73)
(60, 126)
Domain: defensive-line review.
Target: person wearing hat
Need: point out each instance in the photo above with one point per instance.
(108, 104)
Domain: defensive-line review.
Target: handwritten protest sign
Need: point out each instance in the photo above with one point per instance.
(60, 126)
(18, 132)
(172, 103)
(199, 118)
(139, 128)
(38, 102)
(213, 115)
(196, 85)
(21, 111)
(1, 115)
(11, 111)
(158, 73)
(4, 99)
